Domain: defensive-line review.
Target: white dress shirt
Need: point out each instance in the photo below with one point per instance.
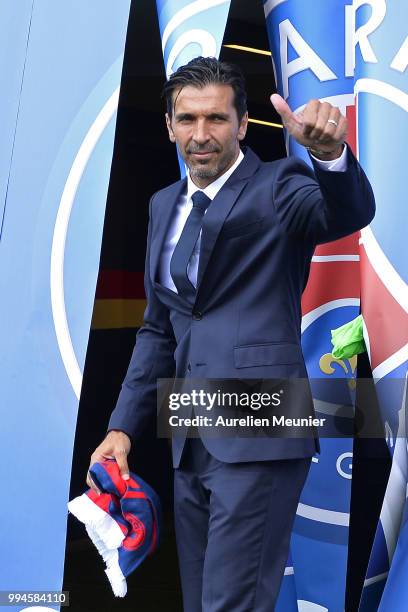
(183, 209)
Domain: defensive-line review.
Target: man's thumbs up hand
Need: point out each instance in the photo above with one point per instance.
(291, 122)
(320, 126)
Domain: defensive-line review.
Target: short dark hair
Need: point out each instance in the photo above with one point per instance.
(202, 71)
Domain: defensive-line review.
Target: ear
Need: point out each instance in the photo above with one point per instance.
(243, 127)
(170, 129)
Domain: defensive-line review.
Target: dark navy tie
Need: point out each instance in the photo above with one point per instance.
(185, 246)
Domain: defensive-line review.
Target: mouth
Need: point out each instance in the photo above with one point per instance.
(203, 154)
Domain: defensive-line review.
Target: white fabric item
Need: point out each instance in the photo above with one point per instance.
(106, 535)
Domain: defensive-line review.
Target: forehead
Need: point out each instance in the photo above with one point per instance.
(208, 99)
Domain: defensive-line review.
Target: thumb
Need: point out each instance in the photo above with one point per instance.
(121, 460)
(289, 119)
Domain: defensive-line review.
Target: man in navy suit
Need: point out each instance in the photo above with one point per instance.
(228, 255)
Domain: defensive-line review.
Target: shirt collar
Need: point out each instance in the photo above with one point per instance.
(213, 188)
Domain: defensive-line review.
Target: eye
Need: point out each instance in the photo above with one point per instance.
(184, 120)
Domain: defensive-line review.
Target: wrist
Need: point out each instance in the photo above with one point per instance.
(326, 155)
(117, 431)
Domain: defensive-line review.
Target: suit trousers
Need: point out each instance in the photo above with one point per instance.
(233, 524)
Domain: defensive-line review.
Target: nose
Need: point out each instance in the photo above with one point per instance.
(201, 134)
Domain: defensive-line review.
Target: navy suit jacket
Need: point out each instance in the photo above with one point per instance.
(258, 238)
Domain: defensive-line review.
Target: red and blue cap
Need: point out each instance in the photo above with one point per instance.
(123, 522)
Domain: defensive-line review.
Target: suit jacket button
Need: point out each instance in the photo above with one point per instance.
(197, 316)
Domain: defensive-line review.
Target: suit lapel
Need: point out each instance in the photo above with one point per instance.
(221, 206)
(164, 213)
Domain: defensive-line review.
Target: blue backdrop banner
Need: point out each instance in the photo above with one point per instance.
(381, 86)
(60, 77)
(189, 29)
(310, 60)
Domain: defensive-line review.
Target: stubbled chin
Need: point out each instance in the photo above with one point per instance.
(203, 171)
(196, 161)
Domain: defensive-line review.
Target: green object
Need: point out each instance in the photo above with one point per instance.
(348, 339)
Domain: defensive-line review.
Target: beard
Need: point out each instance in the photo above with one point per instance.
(204, 171)
(208, 169)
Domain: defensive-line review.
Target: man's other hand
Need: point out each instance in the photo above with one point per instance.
(320, 126)
(116, 445)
